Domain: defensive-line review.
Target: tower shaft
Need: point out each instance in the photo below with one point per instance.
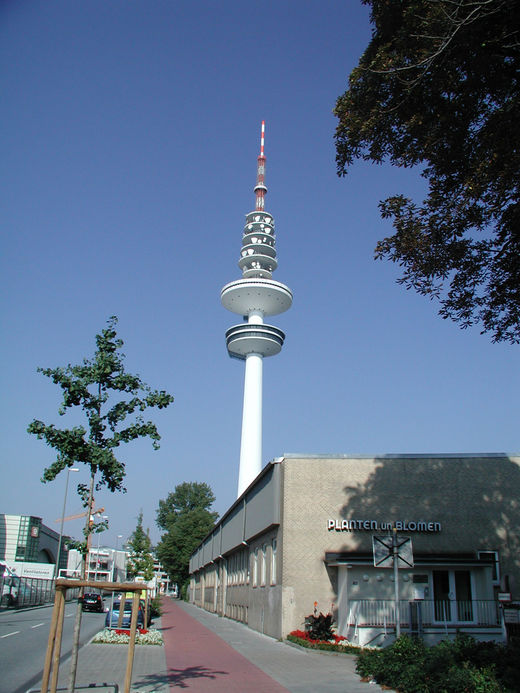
(251, 439)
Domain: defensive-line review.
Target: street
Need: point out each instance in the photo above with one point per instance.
(23, 643)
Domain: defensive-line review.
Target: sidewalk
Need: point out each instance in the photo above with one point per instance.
(290, 668)
(107, 664)
(204, 652)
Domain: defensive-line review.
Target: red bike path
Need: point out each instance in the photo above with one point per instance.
(198, 660)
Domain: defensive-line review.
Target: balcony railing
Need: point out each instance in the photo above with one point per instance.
(425, 613)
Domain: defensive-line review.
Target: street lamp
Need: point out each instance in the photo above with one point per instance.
(114, 575)
(104, 517)
(119, 536)
(56, 569)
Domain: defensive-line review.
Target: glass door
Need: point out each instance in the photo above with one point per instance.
(463, 595)
(441, 595)
(452, 596)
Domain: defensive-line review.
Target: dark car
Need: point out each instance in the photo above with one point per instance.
(112, 617)
(92, 602)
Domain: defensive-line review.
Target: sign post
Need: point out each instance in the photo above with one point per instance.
(395, 558)
(388, 552)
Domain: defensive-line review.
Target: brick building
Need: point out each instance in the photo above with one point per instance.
(303, 531)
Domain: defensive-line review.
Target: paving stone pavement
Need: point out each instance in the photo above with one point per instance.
(107, 664)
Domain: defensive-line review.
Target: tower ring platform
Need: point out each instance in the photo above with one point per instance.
(265, 295)
(245, 339)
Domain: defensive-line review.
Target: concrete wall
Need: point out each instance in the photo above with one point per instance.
(253, 513)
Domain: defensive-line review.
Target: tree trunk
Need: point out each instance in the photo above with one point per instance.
(79, 609)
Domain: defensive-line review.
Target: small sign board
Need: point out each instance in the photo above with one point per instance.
(511, 616)
(383, 549)
(504, 596)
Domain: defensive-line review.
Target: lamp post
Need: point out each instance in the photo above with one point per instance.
(103, 517)
(119, 536)
(114, 569)
(57, 567)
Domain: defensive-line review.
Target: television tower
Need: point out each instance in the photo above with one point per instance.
(255, 296)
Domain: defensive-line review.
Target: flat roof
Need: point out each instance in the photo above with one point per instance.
(397, 455)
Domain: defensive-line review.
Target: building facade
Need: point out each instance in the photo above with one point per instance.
(104, 564)
(26, 543)
(303, 533)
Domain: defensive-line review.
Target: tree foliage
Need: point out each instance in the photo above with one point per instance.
(140, 560)
(438, 87)
(186, 517)
(113, 402)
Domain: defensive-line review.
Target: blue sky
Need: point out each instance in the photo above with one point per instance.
(130, 132)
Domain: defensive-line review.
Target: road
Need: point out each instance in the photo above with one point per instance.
(23, 643)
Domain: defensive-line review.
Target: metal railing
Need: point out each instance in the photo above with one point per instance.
(431, 613)
(17, 592)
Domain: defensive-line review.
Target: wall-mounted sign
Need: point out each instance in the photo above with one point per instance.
(377, 526)
(511, 616)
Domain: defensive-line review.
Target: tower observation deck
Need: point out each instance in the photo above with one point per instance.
(254, 297)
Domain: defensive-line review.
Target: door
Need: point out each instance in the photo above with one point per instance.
(452, 596)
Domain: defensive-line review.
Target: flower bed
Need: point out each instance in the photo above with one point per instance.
(337, 644)
(120, 636)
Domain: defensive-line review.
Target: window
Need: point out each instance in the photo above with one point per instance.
(255, 568)
(244, 572)
(263, 567)
(273, 562)
(492, 556)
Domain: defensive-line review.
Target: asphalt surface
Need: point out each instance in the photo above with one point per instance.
(23, 642)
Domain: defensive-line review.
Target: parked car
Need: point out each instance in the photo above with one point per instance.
(112, 617)
(92, 602)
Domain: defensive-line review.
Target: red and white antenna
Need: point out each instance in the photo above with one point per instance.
(262, 136)
(260, 189)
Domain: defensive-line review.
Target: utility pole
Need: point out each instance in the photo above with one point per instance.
(395, 558)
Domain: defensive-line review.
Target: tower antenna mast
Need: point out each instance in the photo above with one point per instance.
(260, 189)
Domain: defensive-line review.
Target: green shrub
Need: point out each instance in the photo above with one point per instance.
(467, 677)
(319, 627)
(460, 666)
(155, 607)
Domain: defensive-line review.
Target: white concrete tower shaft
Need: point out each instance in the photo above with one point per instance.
(255, 296)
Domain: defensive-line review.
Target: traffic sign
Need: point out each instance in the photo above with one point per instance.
(383, 548)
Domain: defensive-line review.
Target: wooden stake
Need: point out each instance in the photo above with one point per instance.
(131, 644)
(60, 594)
(122, 602)
(50, 644)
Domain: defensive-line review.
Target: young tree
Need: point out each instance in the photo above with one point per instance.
(113, 402)
(186, 518)
(140, 560)
(438, 87)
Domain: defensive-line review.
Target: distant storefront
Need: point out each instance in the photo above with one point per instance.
(305, 529)
(28, 546)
